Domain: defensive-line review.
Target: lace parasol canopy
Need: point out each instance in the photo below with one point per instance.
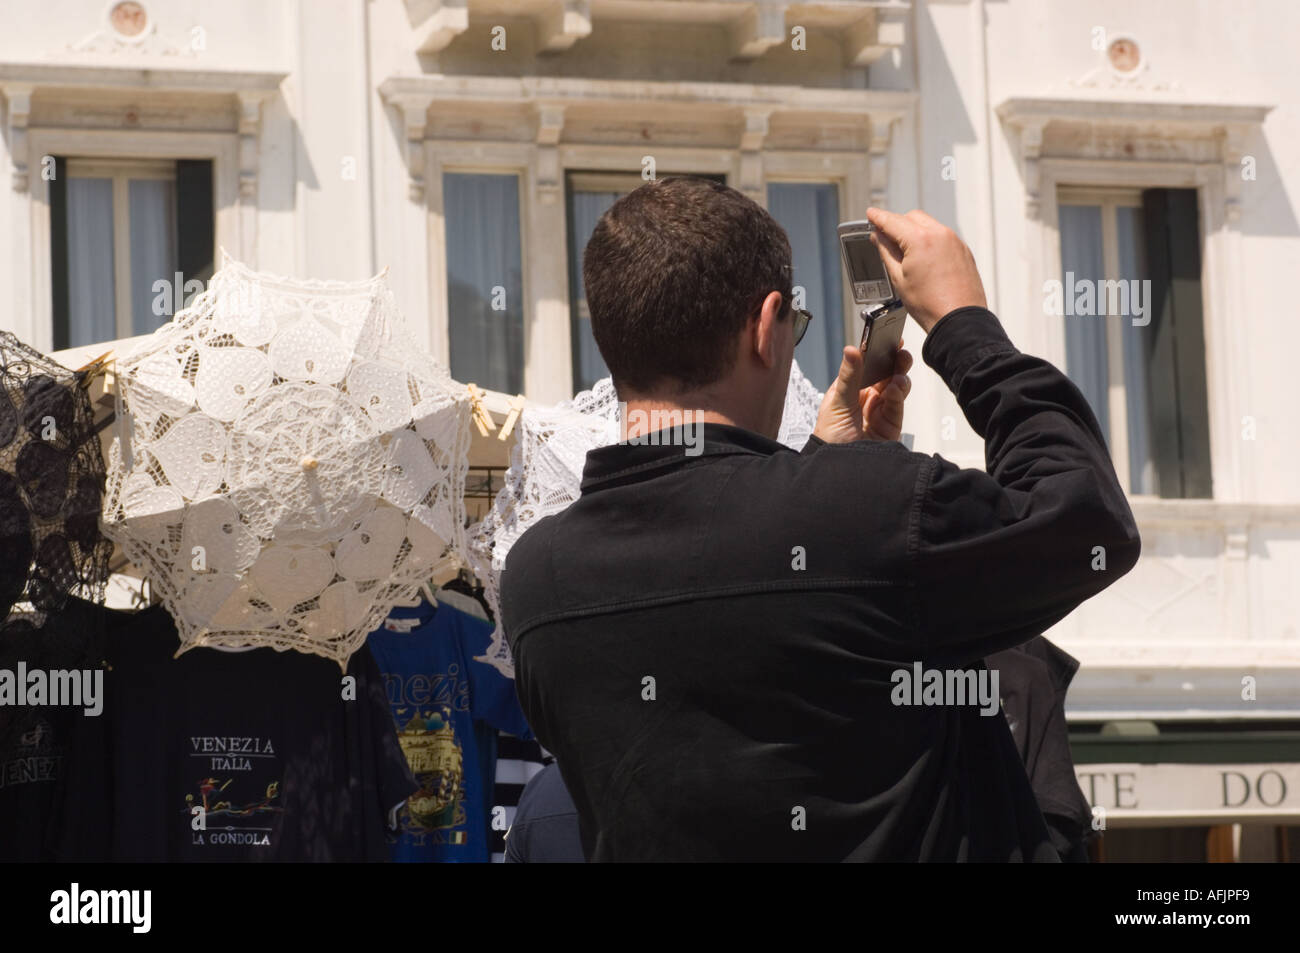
(51, 484)
(545, 476)
(289, 463)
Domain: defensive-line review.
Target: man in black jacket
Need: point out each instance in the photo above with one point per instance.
(724, 641)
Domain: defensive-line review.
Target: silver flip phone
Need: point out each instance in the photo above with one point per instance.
(881, 311)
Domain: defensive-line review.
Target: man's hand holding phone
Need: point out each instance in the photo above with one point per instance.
(852, 412)
(933, 273)
(931, 269)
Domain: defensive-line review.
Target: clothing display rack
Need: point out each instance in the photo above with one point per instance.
(429, 762)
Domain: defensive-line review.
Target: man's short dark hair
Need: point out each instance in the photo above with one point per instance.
(673, 271)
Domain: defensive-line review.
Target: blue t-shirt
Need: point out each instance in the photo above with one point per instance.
(437, 692)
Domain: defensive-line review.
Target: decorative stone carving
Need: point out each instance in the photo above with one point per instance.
(413, 104)
(130, 30)
(878, 33)
(881, 133)
(437, 22)
(1122, 65)
(562, 23)
(1204, 134)
(751, 155)
(250, 121)
(759, 28)
(18, 96)
(1234, 147)
(550, 125)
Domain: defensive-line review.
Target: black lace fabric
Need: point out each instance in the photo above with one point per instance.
(51, 484)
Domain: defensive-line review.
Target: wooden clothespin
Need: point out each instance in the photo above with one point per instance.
(95, 362)
(482, 419)
(516, 406)
(94, 367)
(103, 369)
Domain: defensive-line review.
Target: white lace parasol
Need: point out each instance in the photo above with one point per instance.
(288, 464)
(545, 474)
(799, 418)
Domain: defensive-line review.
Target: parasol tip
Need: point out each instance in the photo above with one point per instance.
(309, 462)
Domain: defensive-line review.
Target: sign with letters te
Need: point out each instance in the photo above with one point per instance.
(1210, 791)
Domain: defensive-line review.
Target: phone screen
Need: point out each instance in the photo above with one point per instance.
(864, 260)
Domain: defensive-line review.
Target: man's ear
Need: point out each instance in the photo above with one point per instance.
(766, 331)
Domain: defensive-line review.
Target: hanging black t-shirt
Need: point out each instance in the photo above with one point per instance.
(1033, 681)
(225, 756)
(36, 739)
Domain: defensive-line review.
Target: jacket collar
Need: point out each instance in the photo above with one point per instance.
(670, 448)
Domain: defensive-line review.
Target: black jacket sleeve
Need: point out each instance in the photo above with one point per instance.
(1000, 556)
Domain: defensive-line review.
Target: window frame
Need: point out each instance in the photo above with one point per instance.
(848, 307)
(439, 306)
(1220, 291)
(1110, 200)
(543, 171)
(234, 219)
(443, 300)
(586, 180)
(851, 174)
(120, 172)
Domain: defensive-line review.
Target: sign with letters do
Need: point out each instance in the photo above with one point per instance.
(1128, 793)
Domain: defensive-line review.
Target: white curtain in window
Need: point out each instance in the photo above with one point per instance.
(153, 250)
(586, 208)
(1132, 266)
(484, 268)
(91, 302)
(1085, 335)
(809, 212)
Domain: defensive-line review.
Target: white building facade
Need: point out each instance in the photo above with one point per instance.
(1119, 170)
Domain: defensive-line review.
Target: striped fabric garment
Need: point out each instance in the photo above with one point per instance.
(517, 762)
